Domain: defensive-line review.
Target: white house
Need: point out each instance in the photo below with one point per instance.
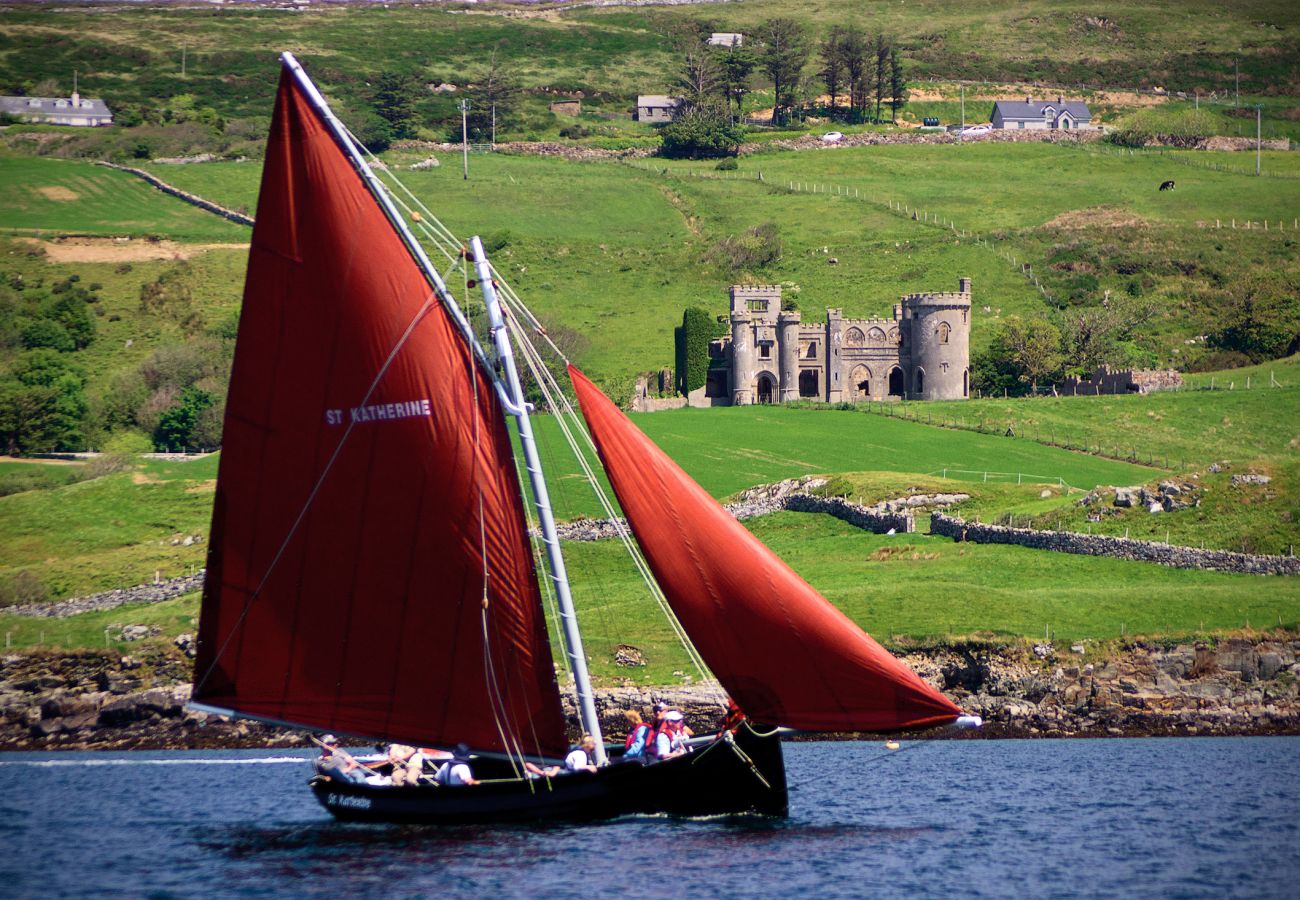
(1041, 114)
(74, 110)
(725, 39)
(656, 108)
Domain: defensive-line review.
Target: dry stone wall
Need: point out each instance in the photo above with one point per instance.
(1115, 547)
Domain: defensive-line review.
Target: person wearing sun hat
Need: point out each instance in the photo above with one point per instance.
(670, 742)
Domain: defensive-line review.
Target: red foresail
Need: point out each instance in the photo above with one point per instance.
(369, 569)
(781, 650)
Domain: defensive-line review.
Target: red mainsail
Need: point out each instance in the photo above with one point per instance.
(369, 569)
(781, 650)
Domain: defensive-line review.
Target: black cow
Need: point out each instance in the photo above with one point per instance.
(1167, 186)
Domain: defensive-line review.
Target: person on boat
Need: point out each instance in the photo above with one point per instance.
(407, 763)
(456, 771)
(639, 737)
(583, 757)
(338, 765)
(670, 741)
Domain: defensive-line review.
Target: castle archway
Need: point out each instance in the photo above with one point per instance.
(860, 382)
(766, 388)
(897, 386)
(920, 382)
(808, 384)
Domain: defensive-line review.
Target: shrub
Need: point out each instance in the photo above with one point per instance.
(700, 134)
(22, 588)
(727, 165)
(692, 339)
(757, 247)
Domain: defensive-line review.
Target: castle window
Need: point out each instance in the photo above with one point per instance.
(920, 381)
(759, 305)
(943, 332)
(893, 334)
(765, 350)
(812, 350)
(854, 338)
(965, 383)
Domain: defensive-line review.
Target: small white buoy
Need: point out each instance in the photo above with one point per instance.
(891, 745)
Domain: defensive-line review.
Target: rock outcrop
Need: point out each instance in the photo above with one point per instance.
(1244, 685)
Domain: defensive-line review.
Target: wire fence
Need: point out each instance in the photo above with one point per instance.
(1173, 154)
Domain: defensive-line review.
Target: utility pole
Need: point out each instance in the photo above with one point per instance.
(1258, 107)
(1236, 70)
(464, 137)
(960, 136)
(494, 123)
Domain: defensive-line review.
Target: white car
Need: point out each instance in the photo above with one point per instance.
(832, 137)
(976, 130)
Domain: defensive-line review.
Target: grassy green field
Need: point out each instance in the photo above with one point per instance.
(59, 197)
(899, 588)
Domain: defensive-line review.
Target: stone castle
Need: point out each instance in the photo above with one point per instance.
(772, 356)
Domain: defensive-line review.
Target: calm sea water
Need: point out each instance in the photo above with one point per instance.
(1206, 817)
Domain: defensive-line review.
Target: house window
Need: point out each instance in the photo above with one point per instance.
(1020, 124)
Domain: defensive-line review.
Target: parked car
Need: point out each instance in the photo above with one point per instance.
(832, 137)
(976, 130)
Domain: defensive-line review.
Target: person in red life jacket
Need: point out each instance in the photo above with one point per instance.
(670, 742)
(583, 757)
(640, 737)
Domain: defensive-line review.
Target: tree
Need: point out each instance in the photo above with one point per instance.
(784, 53)
(393, 97)
(176, 426)
(700, 78)
(897, 85)
(494, 92)
(880, 75)
(700, 133)
(855, 48)
(1029, 349)
(834, 64)
(1094, 337)
(1260, 316)
(735, 67)
(43, 404)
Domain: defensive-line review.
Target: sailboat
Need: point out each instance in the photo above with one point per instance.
(372, 570)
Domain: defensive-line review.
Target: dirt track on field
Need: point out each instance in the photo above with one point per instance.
(114, 250)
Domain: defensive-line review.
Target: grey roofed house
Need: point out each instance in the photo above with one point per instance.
(1037, 114)
(74, 110)
(656, 107)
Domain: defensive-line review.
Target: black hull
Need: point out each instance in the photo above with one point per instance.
(746, 776)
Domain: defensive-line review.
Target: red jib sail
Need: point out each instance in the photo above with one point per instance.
(781, 650)
(369, 569)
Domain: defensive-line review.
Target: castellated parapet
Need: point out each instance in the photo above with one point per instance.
(921, 353)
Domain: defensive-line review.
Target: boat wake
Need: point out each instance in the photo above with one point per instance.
(87, 763)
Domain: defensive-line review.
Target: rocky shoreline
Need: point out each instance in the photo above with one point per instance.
(99, 700)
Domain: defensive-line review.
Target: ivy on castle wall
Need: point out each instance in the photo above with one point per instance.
(692, 338)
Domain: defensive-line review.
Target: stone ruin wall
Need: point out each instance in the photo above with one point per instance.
(1114, 547)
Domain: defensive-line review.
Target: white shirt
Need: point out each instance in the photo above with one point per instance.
(576, 760)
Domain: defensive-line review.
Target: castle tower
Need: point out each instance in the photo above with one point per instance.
(938, 326)
(788, 340)
(742, 358)
(834, 341)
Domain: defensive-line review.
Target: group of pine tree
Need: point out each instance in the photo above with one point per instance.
(861, 74)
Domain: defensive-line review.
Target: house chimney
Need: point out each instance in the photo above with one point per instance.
(1058, 99)
(1029, 99)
